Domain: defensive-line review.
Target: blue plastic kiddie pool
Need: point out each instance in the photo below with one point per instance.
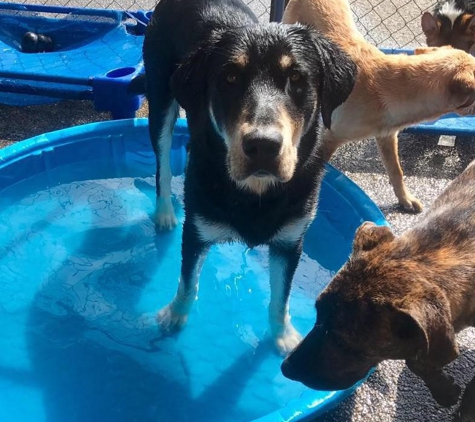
(83, 273)
(450, 125)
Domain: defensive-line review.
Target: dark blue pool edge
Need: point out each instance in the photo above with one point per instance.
(46, 141)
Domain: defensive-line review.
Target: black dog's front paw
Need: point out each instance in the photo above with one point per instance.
(447, 392)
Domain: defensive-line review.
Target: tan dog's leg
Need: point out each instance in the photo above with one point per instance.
(330, 144)
(388, 150)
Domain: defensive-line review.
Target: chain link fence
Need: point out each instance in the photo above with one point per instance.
(385, 23)
(260, 7)
(391, 23)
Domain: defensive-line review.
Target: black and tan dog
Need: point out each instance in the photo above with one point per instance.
(398, 298)
(253, 95)
(452, 22)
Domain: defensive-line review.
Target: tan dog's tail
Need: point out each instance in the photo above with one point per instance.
(332, 18)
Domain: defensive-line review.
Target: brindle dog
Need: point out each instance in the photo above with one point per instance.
(398, 298)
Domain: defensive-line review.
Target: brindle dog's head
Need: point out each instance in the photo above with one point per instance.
(261, 88)
(376, 308)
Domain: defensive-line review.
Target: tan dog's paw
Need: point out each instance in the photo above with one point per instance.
(411, 204)
(287, 340)
(170, 320)
(165, 218)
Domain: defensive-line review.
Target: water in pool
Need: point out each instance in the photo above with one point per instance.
(83, 273)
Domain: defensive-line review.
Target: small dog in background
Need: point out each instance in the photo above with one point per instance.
(392, 91)
(398, 298)
(452, 22)
(33, 42)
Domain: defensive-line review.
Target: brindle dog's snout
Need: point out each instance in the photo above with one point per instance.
(262, 145)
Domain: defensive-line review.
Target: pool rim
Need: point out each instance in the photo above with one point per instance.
(57, 138)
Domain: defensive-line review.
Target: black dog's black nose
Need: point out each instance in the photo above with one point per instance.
(262, 144)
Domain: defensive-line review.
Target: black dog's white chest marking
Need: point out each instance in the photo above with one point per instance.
(293, 231)
(213, 232)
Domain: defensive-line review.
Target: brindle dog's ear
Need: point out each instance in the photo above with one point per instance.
(410, 336)
(337, 76)
(425, 331)
(369, 235)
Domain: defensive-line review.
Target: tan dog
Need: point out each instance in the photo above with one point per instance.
(391, 91)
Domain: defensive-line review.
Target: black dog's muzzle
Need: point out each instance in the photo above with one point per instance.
(262, 148)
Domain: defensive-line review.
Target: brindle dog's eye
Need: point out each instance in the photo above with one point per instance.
(231, 78)
(295, 76)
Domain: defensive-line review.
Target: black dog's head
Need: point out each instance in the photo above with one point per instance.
(379, 306)
(261, 87)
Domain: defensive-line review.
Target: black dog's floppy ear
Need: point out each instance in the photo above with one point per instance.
(190, 80)
(337, 76)
(369, 235)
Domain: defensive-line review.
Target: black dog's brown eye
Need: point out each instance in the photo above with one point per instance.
(231, 78)
(295, 76)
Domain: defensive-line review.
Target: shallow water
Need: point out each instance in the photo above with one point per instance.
(83, 273)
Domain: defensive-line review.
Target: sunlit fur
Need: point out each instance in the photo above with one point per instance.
(391, 91)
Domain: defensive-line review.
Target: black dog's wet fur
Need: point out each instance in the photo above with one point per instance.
(201, 35)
